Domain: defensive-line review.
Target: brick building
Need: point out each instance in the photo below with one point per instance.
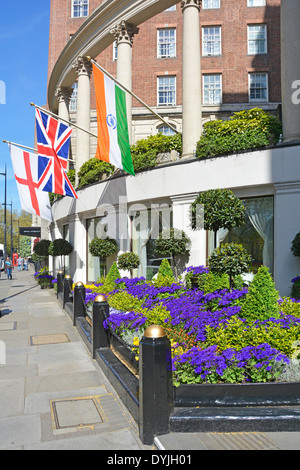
(240, 59)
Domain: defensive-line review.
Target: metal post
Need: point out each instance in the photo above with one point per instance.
(100, 313)
(155, 386)
(67, 289)
(60, 277)
(5, 186)
(78, 301)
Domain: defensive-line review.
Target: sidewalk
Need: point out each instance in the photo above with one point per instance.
(54, 396)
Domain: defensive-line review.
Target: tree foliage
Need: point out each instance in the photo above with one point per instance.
(60, 247)
(231, 259)
(172, 242)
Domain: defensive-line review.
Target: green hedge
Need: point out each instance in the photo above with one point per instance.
(245, 130)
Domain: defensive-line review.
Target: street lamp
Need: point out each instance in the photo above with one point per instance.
(4, 251)
(11, 227)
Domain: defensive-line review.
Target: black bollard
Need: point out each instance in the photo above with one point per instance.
(67, 289)
(100, 313)
(155, 384)
(78, 301)
(60, 281)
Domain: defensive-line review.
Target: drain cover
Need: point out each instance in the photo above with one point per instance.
(75, 412)
(49, 339)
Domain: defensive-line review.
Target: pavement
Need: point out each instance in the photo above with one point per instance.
(54, 396)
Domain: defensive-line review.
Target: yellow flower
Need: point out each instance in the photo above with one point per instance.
(136, 341)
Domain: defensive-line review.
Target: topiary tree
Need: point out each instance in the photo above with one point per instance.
(112, 275)
(92, 171)
(231, 259)
(60, 247)
(103, 248)
(41, 250)
(165, 275)
(261, 302)
(172, 242)
(128, 261)
(222, 209)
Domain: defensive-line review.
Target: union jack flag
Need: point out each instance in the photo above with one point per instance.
(53, 142)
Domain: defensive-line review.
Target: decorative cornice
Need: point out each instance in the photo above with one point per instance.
(63, 93)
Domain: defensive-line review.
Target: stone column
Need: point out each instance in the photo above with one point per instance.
(290, 70)
(77, 258)
(191, 77)
(84, 69)
(63, 95)
(123, 34)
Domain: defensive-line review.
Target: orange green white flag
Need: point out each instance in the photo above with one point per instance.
(113, 140)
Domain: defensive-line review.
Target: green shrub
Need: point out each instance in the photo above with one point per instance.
(103, 247)
(172, 242)
(244, 130)
(92, 170)
(295, 291)
(60, 247)
(144, 152)
(295, 248)
(231, 259)
(289, 307)
(261, 302)
(41, 248)
(128, 261)
(237, 334)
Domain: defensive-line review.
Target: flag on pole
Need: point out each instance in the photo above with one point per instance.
(32, 199)
(113, 141)
(53, 142)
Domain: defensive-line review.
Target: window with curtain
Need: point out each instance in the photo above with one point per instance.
(146, 226)
(95, 266)
(66, 236)
(256, 234)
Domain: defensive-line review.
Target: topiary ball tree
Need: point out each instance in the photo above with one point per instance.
(128, 261)
(172, 242)
(60, 247)
(103, 248)
(231, 259)
(222, 209)
(41, 249)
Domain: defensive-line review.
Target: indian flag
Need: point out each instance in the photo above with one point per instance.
(113, 141)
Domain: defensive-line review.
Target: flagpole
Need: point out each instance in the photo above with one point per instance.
(131, 93)
(28, 148)
(62, 119)
(19, 145)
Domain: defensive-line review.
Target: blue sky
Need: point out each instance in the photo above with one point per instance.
(24, 38)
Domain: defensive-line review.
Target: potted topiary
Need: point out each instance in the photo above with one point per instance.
(222, 209)
(60, 247)
(41, 249)
(103, 248)
(128, 261)
(231, 259)
(172, 242)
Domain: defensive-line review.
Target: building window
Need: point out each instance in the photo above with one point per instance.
(166, 91)
(211, 40)
(73, 100)
(80, 8)
(258, 87)
(212, 89)
(166, 43)
(256, 3)
(257, 39)
(173, 8)
(145, 228)
(165, 130)
(210, 4)
(256, 234)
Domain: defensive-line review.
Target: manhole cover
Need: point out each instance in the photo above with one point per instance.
(49, 339)
(75, 412)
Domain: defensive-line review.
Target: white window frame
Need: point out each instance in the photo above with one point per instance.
(169, 102)
(165, 130)
(211, 91)
(205, 52)
(256, 3)
(167, 43)
(73, 99)
(173, 8)
(258, 100)
(253, 42)
(115, 50)
(81, 4)
(210, 4)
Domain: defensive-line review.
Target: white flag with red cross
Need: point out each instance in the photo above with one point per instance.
(32, 199)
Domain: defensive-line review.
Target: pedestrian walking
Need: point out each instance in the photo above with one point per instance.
(20, 264)
(25, 264)
(8, 265)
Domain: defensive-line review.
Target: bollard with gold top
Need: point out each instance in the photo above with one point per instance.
(60, 280)
(99, 333)
(67, 289)
(78, 301)
(156, 400)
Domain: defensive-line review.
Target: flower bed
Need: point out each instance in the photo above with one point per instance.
(213, 338)
(44, 278)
